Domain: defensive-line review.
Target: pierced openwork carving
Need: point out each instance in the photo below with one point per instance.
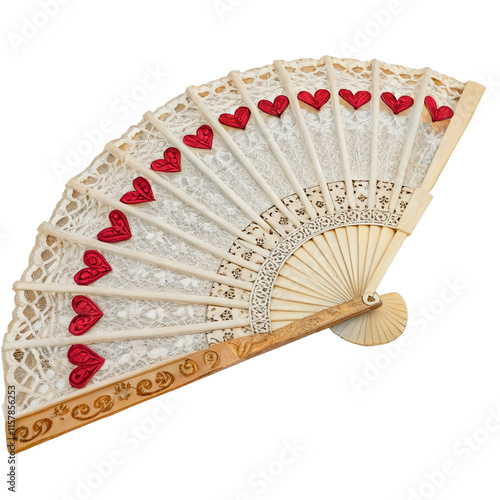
(261, 293)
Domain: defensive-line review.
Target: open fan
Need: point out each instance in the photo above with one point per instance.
(243, 214)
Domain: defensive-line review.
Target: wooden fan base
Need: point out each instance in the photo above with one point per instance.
(68, 414)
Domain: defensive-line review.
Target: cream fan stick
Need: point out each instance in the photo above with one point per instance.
(301, 268)
(306, 136)
(158, 223)
(380, 330)
(213, 121)
(273, 145)
(375, 106)
(383, 238)
(371, 246)
(287, 287)
(421, 198)
(291, 278)
(283, 305)
(339, 125)
(328, 245)
(317, 255)
(347, 237)
(131, 293)
(146, 333)
(411, 134)
(364, 239)
(311, 257)
(297, 282)
(228, 192)
(314, 251)
(467, 104)
(368, 236)
(377, 336)
(359, 335)
(339, 245)
(341, 260)
(91, 243)
(184, 197)
(351, 332)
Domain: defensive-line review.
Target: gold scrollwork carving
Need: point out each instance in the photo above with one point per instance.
(211, 358)
(102, 404)
(188, 367)
(163, 379)
(39, 428)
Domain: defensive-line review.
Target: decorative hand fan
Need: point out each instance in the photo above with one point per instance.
(242, 215)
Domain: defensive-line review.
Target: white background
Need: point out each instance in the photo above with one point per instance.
(377, 440)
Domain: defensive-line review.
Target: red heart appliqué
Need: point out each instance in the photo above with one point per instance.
(275, 108)
(397, 105)
(98, 266)
(202, 139)
(88, 314)
(88, 363)
(170, 163)
(119, 230)
(355, 100)
(437, 114)
(143, 192)
(238, 120)
(319, 99)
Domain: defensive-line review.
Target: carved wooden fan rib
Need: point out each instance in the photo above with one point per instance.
(242, 215)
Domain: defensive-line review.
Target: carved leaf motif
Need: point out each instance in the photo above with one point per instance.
(247, 345)
(59, 411)
(123, 390)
